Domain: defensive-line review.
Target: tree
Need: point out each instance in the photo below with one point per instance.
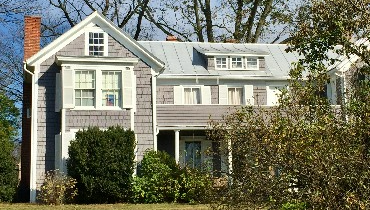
(241, 20)
(305, 152)
(126, 15)
(11, 68)
(8, 129)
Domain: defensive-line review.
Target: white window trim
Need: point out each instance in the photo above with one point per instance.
(246, 63)
(96, 30)
(98, 86)
(227, 62)
(243, 60)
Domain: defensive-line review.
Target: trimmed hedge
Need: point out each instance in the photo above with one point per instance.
(102, 162)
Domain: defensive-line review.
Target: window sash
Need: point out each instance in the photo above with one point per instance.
(252, 63)
(191, 95)
(111, 88)
(84, 88)
(221, 63)
(235, 96)
(96, 43)
(237, 63)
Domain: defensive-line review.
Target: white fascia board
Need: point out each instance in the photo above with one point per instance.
(234, 54)
(88, 59)
(231, 77)
(110, 28)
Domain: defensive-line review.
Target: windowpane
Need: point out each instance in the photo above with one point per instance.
(193, 154)
(252, 63)
(111, 88)
(221, 63)
(237, 63)
(84, 88)
(96, 44)
(191, 96)
(235, 96)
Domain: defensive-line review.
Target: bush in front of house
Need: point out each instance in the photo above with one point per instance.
(160, 179)
(102, 162)
(57, 189)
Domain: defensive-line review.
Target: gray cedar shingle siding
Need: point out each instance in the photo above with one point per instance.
(143, 116)
(262, 63)
(49, 120)
(77, 119)
(214, 94)
(211, 63)
(165, 95)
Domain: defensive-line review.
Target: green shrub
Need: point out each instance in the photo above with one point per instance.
(102, 162)
(294, 206)
(160, 179)
(156, 181)
(57, 188)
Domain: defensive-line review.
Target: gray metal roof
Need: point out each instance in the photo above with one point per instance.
(188, 58)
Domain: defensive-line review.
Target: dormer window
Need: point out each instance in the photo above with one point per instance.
(96, 43)
(237, 63)
(252, 63)
(221, 63)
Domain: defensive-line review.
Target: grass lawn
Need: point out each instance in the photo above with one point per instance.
(104, 207)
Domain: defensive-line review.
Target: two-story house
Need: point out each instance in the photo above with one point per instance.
(165, 91)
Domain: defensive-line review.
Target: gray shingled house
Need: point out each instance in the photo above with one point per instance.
(97, 75)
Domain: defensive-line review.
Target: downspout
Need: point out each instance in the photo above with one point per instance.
(33, 138)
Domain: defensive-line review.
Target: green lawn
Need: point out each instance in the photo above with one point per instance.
(104, 207)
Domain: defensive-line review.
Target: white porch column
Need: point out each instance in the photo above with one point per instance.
(177, 145)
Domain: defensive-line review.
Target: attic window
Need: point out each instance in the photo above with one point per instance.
(252, 63)
(221, 63)
(96, 43)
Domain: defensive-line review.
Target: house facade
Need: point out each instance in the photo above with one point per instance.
(165, 91)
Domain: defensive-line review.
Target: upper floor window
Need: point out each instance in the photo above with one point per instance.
(237, 63)
(192, 95)
(235, 96)
(96, 43)
(84, 88)
(111, 88)
(252, 63)
(221, 63)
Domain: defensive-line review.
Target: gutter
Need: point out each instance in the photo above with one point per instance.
(33, 137)
(168, 76)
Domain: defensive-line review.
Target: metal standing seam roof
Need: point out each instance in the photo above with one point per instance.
(188, 58)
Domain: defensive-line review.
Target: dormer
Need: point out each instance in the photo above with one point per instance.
(233, 57)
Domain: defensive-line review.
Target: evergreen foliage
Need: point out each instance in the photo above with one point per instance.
(102, 162)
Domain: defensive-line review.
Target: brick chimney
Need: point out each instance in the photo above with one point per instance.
(32, 32)
(171, 38)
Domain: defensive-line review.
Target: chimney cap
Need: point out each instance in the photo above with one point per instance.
(171, 38)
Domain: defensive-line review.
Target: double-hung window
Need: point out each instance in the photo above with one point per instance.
(111, 88)
(237, 63)
(235, 95)
(85, 88)
(192, 95)
(221, 62)
(252, 63)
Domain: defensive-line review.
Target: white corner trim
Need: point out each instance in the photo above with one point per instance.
(33, 168)
(154, 111)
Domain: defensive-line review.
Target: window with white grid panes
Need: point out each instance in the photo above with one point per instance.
(111, 88)
(221, 63)
(96, 43)
(237, 63)
(84, 88)
(252, 63)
